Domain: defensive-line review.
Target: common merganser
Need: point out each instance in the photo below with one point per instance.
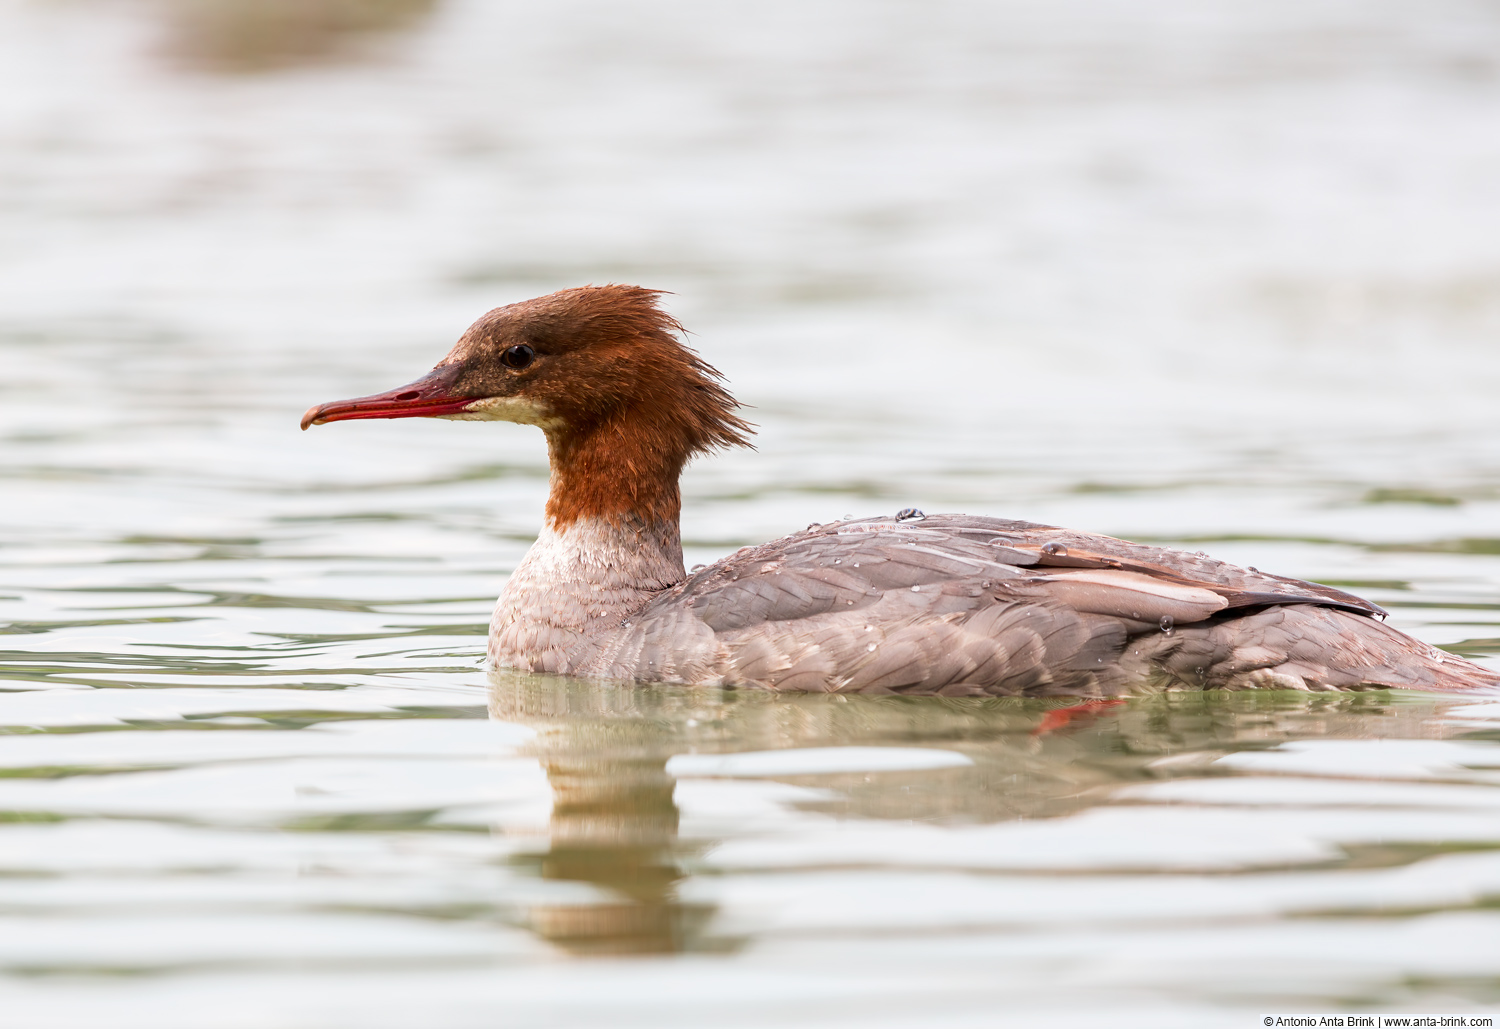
(912, 604)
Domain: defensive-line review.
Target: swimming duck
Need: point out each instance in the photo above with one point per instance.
(913, 604)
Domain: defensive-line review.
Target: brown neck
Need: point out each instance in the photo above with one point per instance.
(622, 471)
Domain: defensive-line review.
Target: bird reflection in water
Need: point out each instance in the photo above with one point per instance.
(615, 822)
(614, 825)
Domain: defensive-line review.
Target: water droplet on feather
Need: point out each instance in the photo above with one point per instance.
(1166, 624)
(1055, 550)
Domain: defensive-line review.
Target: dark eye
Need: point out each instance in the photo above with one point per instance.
(517, 357)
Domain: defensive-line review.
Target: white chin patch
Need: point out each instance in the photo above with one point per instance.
(506, 409)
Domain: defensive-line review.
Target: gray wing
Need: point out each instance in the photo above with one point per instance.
(963, 605)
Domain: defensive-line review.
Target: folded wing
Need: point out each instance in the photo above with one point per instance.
(963, 605)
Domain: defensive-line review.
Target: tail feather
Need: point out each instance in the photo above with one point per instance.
(1301, 647)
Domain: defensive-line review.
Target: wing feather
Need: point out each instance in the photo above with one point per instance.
(965, 605)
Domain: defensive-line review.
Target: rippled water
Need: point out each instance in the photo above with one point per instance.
(1221, 274)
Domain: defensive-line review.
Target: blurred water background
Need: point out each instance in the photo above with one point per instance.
(1223, 274)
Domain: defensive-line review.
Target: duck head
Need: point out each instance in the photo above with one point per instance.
(603, 372)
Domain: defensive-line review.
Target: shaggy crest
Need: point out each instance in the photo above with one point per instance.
(632, 402)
